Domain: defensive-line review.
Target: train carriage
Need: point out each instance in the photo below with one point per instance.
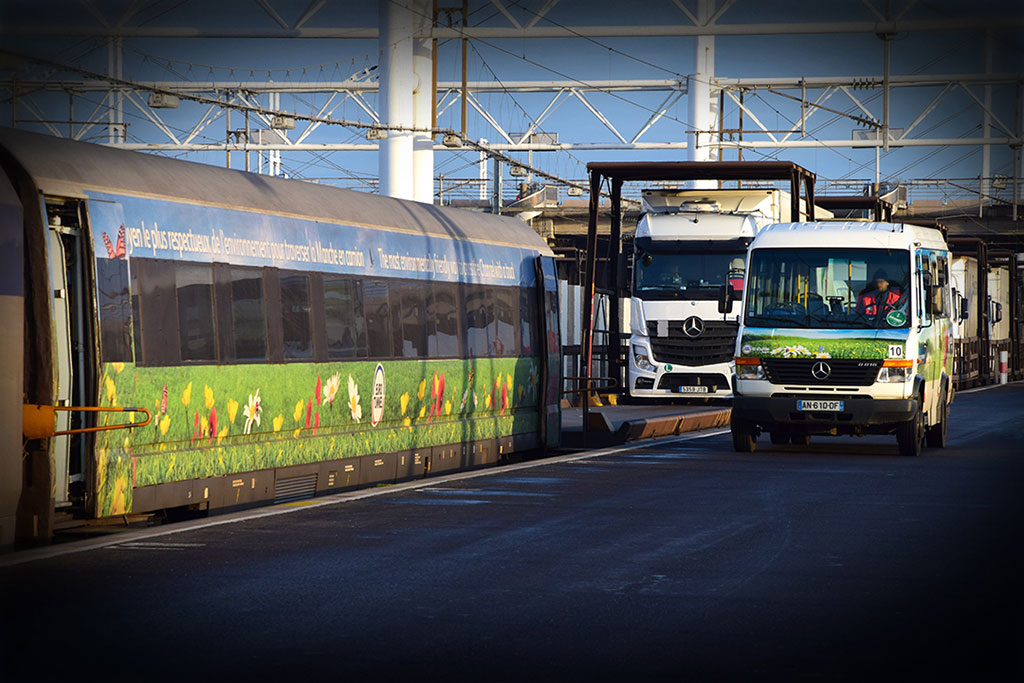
(287, 339)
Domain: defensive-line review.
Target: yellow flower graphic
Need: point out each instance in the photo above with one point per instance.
(204, 426)
(232, 410)
(407, 422)
(186, 396)
(487, 401)
(208, 396)
(423, 411)
(221, 434)
(423, 390)
(165, 424)
(111, 390)
(447, 407)
(297, 432)
(118, 505)
(297, 414)
(118, 367)
(331, 389)
(278, 421)
(353, 400)
(404, 400)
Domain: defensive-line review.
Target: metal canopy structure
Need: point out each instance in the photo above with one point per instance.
(880, 209)
(756, 111)
(617, 173)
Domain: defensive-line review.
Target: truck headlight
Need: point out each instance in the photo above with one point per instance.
(896, 371)
(749, 368)
(642, 360)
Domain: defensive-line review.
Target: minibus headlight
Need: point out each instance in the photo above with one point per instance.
(896, 371)
(749, 368)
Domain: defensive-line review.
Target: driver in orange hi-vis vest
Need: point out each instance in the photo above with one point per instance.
(878, 294)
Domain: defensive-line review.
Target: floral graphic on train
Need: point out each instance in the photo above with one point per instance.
(232, 418)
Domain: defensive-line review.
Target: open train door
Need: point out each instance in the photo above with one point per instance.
(551, 354)
(71, 275)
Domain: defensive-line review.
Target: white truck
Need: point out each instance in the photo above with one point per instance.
(848, 328)
(688, 245)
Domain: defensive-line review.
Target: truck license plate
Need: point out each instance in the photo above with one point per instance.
(693, 389)
(823, 406)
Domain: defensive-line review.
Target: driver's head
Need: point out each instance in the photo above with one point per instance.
(880, 280)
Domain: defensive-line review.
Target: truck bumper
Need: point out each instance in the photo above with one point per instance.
(858, 415)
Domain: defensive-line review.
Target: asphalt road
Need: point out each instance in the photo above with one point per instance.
(683, 560)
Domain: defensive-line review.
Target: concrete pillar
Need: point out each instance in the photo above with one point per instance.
(985, 187)
(423, 142)
(395, 48)
(700, 115)
(483, 172)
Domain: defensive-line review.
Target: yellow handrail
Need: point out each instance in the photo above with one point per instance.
(39, 422)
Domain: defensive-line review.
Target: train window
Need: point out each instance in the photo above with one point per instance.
(504, 341)
(378, 318)
(527, 318)
(114, 310)
(411, 295)
(443, 321)
(196, 332)
(295, 316)
(248, 317)
(156, 321)
(479, 320)
(346, 326)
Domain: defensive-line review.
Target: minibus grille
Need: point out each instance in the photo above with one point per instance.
(715, 344)
(842, 371)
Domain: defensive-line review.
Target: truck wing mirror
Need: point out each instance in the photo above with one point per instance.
(725, 297)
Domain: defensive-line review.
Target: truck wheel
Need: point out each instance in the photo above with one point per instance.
(744, 438)
(801, 439)
(910, 434)
(778, 437)
(935, 436)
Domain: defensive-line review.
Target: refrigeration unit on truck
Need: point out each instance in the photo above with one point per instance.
(847, 328)
(688, 246)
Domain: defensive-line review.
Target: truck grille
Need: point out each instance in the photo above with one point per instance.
(715, 345)
(844, 371)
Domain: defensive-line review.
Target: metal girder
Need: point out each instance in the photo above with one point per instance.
(753, 117)
(968, 23)
(569, 146)
(362, 86)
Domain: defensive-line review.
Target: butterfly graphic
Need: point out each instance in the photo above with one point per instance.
(117, 253)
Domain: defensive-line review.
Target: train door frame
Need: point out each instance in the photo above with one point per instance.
(550, 384)
(69, 254)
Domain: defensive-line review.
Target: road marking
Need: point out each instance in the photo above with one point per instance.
(71, 547)
(155, 545)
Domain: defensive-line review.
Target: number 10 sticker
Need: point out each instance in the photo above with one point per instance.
(896, 350)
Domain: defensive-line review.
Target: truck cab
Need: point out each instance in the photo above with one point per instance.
(688, 270)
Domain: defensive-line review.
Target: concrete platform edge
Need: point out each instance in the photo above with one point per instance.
(654, 427)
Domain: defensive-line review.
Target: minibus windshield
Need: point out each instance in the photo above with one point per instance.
(828, 288)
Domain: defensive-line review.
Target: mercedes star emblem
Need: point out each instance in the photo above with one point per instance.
(693, 326)
(821, 370)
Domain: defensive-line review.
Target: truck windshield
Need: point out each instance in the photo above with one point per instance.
(828, 288)
(686, 275)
